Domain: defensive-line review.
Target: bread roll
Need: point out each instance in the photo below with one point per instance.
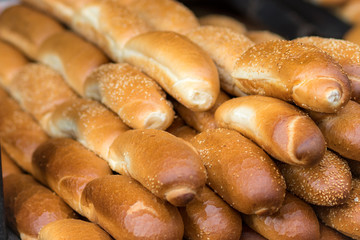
(262, 36)
(179, 129)
(240, 172)
(327, 233)
(8, 166)
(40, 90)
(281, 129)
(135, 97)
(201, 121)
(29, 206)
(73, 57)
(295, 72)
(173, 169)
(108, 24)
(295, 220)
(346, 53)
(72, 229)
(327, 183)
(181, 68)
(350, 11)
(27, 28)
(353, 35)
(127, 211)
(20, 135)
(66, 167)
(249, 234)
(218, 20)
(164, 15)
(11, 60)
(224, 46)
(345, 217)
(340, 130)
(207, 216)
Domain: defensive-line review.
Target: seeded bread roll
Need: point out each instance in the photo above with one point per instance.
(295, 220)
(135, 97)
(240, 172)
(72, 229)
(224, 46)
(202, 223)
(29, 206)
(11, 61)
(8, 166)
(180, 67)
(201, 121)
(327, 183)
(344, 218)
(346, 53)
(281, 129)
(20, 135)
(223, 21)
(26, 28)
(262, 36)
(108, 200)
(73, 57)
(340, 130)
(293, 71)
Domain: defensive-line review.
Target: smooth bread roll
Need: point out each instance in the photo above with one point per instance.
(350, 11)
(340, 130)
(201, 121)
(135, 97)
(295, 220)
(327, 183)
(353, 34)
(29, 206)
(344, 218)
(240, 172)
(66, 167)
(72, 229)
(249, 234)
(27, 28)
(11, 61)
(262, 36)
(218, 20)
(166, 165)
(282, 130)
(8, 166)
(327, 233)
(293, 71)
(73, 57)
(180, 67)
(128, 211)
(344, 52)
(207, 216)
(224, 46)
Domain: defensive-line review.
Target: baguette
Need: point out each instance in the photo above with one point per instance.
(202, 223)
(344, 218)
(8, 166)
(201, 121)
(295, 220)
(20, 135)
(262, 36)
(340, 130)
(179, 129)
(72, 57)
(272, 124)
(295, 72)
(224, 46)
(11, 61)
(328, 183)
(66, 167)
(346, 53)
(218, 20)
(234, 165)
(128, 211)
(27, 29)
(180, 67)
(135, 97)
(29, 206)
(72, 229)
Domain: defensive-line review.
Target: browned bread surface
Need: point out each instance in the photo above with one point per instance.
(8, 166)
(223, 21)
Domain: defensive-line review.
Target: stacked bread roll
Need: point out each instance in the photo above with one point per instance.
(118, 112)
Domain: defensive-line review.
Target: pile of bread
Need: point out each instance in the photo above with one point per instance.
(271, 126)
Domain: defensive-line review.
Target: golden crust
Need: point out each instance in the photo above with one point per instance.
(329, 233)
(240, 172)
(8, 166)
(262, 36)
(27, 28)
(179, 129)
(218, 20)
